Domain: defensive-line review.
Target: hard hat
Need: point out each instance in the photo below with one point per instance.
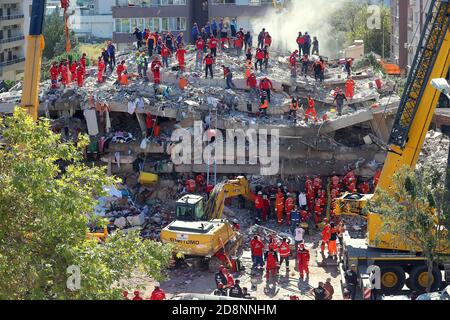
(220, 285)
(125, 293)
(325, 219)
(235, 221)
(221, 267)
(259, 192)
(136, 292)
(279, 184)
(157, 284)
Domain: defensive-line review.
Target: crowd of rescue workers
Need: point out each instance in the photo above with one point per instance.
(296, 209)
(213, 39)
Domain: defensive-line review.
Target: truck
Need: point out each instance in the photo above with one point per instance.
(394, 259)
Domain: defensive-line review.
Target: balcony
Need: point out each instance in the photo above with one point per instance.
(239, 8)
(11, 62)
(150, 3)
(12, 42)
(242, 2)
(13, 18)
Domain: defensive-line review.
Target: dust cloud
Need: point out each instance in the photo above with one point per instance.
(305, 16)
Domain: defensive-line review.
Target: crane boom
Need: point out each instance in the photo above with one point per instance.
(33, 59)
(419, 100)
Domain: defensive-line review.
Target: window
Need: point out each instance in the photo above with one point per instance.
(164, 24)
(125, 25)
(173, 2)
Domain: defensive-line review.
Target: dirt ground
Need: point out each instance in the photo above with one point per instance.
(191, 280)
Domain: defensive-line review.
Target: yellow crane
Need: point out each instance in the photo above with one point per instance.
(410, 127)
(199, 229)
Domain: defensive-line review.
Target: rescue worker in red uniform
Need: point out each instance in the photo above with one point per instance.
(155, 68)
(137, 296)
(64, 71)
(335, 182)
(73, 70)
(326, 233)
(279, 206)
(256, 247)
(311, 110)
(289, 206)
(376, 177)
(364, 187)
(265, 85)
(303, 261)
(209, 188)
(266, 208)
(310, 198)
(190, 185)
(80, 76)
(259, 205)
(121, 68)
(317, 184)
(200, 180)
(83, 62)
(271, 264)
(158, 294)
(285, 253)
(54, 73)
(293, 59)
(180, 57)
(318, 211)
(212, 45)
(100, 69)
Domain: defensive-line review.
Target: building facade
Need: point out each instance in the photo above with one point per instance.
(178, 16)
(408, 20)
(14, 26)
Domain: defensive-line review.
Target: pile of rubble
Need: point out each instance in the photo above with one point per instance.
(435, 151)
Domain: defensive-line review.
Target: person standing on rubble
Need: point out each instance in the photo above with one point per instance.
(271, 264)
(293, 64)
(279, 206)
(251, 84)
(307, 43)
(289, 206)
(303, 261)
(212, 44)
(317, 67)
(200, 46)
(233, 28)
(266, 57)
(295, 219)
(169, 41)
(223, 36)
(259, 56)
(351, 281)
(350, 88)
(266, 208)
(179, 40)
(264, 104)
(267, 40)
(100, 70)
(247, 41)
(326, 234)
(293, 108)
(348, 66)
(220, 277)
(300, 42)
(208, 28)
(73, 70)
(209, 61)
(120, 69)
(311, 110)
(259, 205)
(215, 28)
(256, 247)
(265, 85)
(155, 67)
(54, 73)
(64, 71)
(261, 38)
(305, 65)
(111, 50)
(106, 59)
(239, 44)
(285, 253)
(139, 63)
(339, 98)
(315, 46)
(180, 57)
(228, 75)
(332, 249)
(151, 42)
(80, 76)
(139, 36)
(195, 31)
(165, 54)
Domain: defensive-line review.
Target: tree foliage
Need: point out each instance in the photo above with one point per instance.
(55, 36)
(352, 19)
(415, 212)
(43, 226)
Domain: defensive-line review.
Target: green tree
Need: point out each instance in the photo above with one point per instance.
(43, 226)
(352, 20)
(415, 212)
(55, 36)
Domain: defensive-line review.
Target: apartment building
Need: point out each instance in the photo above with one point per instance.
(408, 20)
(178, 16)
(92, 19)
(14, 25)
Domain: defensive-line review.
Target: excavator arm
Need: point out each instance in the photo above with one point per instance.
(33, 60)
(222, 191)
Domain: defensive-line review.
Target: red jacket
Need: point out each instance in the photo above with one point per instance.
(303, 257)
(259, 55)
(54, 72)
(101, 66)
(212, 43)
(289, 204)
(155, 66)
(285, 251)
(268, 41)
(256, 247)
(326, 232)
(180, 54)
(265, 84)
(158, 294)
(165, 52)
(300, 40)
(259, 204)
(272, 260)
(120, 68)
(200, 44)
(209, 60)
(311, 104)
(251, 81)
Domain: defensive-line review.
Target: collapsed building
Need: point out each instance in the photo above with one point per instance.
(114, 117)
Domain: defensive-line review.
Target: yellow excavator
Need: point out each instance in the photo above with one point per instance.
(199, 230)
(408, 134)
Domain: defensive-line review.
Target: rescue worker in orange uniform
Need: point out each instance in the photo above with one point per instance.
(180, 57)
(311, 110)
(285, 253)
(279, 206)
(326, 233)
(303, 261)
(350, 88)
(289, 205)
